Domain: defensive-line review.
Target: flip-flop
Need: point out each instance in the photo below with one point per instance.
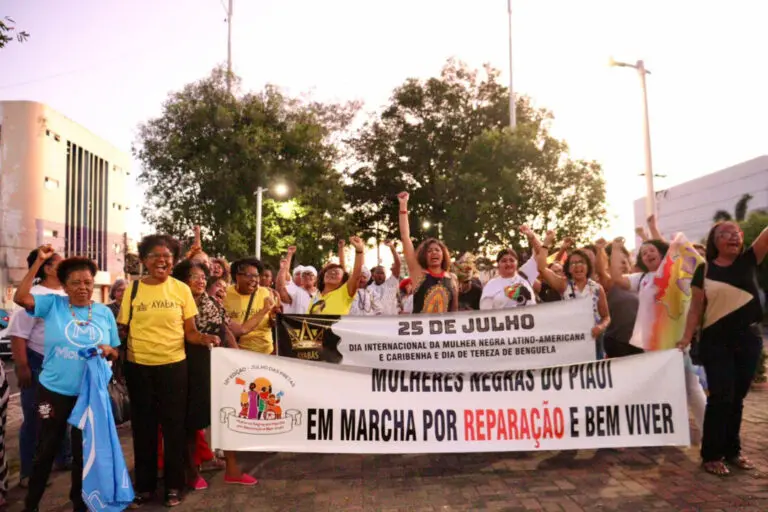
(717, 468)
(742, 463)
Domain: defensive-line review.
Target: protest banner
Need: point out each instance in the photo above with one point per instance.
(524, 337)
(267, 403)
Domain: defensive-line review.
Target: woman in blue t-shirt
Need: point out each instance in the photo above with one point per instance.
(72, 322)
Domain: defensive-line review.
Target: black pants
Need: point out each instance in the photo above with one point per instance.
(730, 362)
(53, 411)
(158, 397)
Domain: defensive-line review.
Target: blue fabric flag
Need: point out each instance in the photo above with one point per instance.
(106, 482)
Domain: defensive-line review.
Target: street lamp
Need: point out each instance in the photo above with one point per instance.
(512, 114)
(650, 195)
(426, 224)
(281, 189)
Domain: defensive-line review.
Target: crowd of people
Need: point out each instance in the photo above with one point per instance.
(159, 329)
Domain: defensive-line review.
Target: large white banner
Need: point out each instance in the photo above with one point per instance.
(525, 337)
(267, 403)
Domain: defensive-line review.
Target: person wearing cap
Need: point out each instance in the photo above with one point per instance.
(364, 303)
(385, 289)
(296, 298)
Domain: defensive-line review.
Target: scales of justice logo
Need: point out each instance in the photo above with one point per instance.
(260, 410)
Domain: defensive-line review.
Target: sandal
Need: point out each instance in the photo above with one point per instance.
(742, 463)
(139, 500)
(172, 499)
(717, 468)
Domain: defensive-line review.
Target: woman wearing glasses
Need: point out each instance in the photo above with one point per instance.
(731, 339)
(248, 307)
(159, 318)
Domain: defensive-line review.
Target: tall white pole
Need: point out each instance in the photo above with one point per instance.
(650, 197)
(259, 194)
(512, 114)
(229, 46)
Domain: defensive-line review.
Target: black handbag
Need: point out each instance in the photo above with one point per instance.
(121, 404)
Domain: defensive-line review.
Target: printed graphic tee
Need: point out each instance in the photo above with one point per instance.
(236, 306)
(156, 333)
(507, 292)
(62, 367)
(337, 302)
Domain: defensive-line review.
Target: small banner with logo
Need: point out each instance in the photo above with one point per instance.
(524, 337)
(267, 403)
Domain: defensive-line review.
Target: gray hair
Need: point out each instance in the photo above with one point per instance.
(114, 287)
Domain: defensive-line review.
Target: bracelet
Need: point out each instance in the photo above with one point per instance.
(403, 212)
(358, 252)
(547, 247)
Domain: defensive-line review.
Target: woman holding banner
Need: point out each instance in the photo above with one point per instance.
(731, 339)
(577, 285)
(436, 290)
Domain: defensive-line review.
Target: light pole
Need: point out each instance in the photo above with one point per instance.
(650, 195)
(280, 190)
(512, 114)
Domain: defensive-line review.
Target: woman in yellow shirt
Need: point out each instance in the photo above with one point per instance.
(159, 314)
(337, 288)
(248, 306)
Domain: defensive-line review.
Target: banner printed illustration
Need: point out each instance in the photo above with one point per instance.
(260, 410)
(525, 337)
(631, 401)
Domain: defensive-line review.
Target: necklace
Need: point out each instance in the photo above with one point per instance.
(82, 323)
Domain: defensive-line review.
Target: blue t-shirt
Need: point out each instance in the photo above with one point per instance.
(62, 366)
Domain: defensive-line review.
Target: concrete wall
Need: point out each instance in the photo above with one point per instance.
(690, 206)
(33, 181)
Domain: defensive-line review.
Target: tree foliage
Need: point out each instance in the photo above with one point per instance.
(752, 226)
(445, 140)
(206, 155)
(8, 32)
(739, 210)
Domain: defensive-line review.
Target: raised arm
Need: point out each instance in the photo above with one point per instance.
(602, 264)
(414, 269)
(23, 296)
(396, 257)
(564, 246)
(654, 227)
(253, 322)
(354, 278)
(642, 233)
(533, 241)
(559, 284)
(342, 257)
(760, 246)
(285, 265)
(618, 278)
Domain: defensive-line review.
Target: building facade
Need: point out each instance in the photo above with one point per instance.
(61, 185)
(690, 207)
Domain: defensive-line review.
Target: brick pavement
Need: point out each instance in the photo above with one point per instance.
(631, 480)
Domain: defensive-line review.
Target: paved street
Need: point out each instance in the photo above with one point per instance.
(631, 480)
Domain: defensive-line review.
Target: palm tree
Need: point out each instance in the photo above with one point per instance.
(739, 211)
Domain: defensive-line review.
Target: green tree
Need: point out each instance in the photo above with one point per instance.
(8, 32)
(205, 156)
(752, 226)
(739, 210)
(444, 140)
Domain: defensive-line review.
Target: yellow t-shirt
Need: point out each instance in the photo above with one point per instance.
(337, 302)
(236, 305)
(156, 333)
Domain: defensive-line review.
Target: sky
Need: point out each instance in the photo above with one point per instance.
(109, 65)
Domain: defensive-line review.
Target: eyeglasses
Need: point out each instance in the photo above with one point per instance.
(730, 234)
(250, 277)
(197, 277)
(160, 255)
(574, 263)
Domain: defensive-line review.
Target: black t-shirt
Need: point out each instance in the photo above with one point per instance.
(470, 300)
(733, 299)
